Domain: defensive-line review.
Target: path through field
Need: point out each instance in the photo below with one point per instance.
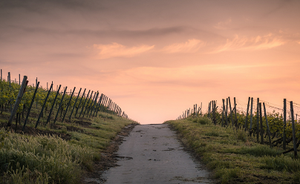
(152, 154)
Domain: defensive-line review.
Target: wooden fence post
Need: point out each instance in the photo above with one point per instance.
(294, 129)
(284, 123)
(74, 104)
(226, 110)
(9, 81)
(88, 106)
(231, 115)
(209, 109)
(80, 102)
(268, 128)
(31, 103)
(257, 120)
(93, 105)
(68, 104)
(223, 109)
(41, 113)
(213, 112)
(246, 119)
(261, 125)
(18, 100)
(84, 103)
(251, 116)
(62, 99)
(234, 99)
(99, 104)
(48, 119)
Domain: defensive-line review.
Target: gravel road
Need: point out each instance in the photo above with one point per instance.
(152, 154)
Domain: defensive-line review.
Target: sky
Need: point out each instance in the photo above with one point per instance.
(157, 58)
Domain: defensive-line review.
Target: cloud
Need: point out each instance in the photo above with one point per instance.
(255, 43)
(223, 25)
(192, 45)
(118, 50)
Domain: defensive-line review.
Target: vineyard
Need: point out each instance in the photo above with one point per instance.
(49, 105)
(54, 136)
(277, 127)
(244, 142)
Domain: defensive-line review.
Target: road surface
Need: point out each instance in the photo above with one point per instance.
(152, 154)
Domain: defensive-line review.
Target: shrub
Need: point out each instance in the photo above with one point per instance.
(241, 135)
(203, 120)
(227, 174)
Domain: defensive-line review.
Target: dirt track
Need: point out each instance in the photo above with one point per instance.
(152, 154)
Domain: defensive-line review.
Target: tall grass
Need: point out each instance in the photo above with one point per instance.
(233, 156)
(50, 158)
(26, 159)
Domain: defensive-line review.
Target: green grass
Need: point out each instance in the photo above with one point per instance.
(26, 159)
(233, 156)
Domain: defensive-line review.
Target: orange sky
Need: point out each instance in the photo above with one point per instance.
(157, 58)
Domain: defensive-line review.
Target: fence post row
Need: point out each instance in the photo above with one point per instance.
(90, 107)
(253, 128)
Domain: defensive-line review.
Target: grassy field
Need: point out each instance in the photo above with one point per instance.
(233, 156)
(55, 154)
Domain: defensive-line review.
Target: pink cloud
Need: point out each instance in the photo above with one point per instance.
(118, 50)
(254, 43)
(192, 45)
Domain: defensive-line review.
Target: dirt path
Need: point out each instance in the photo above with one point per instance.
(152, 154)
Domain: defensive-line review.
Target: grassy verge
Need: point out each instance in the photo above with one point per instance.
(235, 157)
(61, 154)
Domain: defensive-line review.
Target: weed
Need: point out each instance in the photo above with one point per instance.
(213, 133)
(296, 177)
(241, 135)
(204, 121)
(259, 151)
(281, 163)
(227, 174)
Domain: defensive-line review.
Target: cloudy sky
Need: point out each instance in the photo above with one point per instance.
(157, 58)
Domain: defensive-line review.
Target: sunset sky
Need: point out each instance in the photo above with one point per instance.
(157, 58)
